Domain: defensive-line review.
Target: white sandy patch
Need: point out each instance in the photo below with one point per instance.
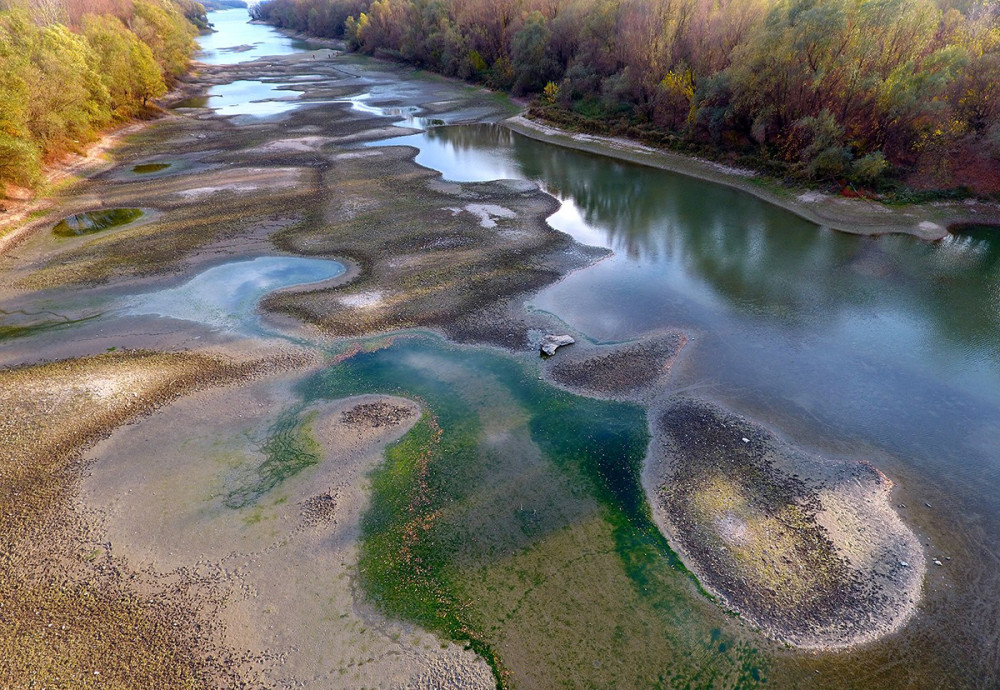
(296, 145)
(199, 192)
(732, 528)
(351, 155)
(105, 386)
(240, 181)
(362, 300)
(811, 197)
(730, 170)
(488, 214)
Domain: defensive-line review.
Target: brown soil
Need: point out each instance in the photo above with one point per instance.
(71, 615)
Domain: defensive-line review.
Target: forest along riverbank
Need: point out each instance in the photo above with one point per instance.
(852, 215)
(506, 514)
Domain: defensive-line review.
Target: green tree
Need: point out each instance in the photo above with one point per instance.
(531, 55)
(126, 65)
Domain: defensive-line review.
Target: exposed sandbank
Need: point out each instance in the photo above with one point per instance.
(626, 371)
(166, 513)
(808, 549)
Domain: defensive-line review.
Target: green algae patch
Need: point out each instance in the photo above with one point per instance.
(21, 324)
(288, 449)
(150, 168)
(512, 517)
(90, 222)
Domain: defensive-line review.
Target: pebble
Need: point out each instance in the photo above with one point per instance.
(937, 562)
(904, 564)
(746, 440)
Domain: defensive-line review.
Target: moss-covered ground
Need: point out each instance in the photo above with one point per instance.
(512, 517)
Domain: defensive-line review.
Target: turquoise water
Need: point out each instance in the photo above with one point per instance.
(513, 481)
(225, 297)
(882, 348)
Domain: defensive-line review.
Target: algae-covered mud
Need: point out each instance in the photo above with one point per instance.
(297, 431)
(95, 221)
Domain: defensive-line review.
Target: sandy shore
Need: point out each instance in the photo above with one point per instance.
(856, 216)
(808, 549)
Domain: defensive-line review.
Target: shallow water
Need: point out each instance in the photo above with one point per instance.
(251, 97)
(150, 168)
(236, 40)
(89, 222)
(225, 297)
(533, 517)
(885, 347)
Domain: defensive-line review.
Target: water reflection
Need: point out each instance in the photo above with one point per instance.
(225, 297)
(253, 98)
(683, 245)
(235, 40)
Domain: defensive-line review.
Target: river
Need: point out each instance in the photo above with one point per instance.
(885, 349)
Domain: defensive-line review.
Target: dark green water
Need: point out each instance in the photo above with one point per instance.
(95, 221)
(149, 168)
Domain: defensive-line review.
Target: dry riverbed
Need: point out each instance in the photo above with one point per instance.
(143, 555)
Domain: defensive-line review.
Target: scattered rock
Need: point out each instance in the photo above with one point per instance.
(319, 509)
(375, 415)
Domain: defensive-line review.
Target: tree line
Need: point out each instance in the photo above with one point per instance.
(69, 68)
(861, 91)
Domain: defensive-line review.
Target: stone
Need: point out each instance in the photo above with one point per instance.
(550, 343)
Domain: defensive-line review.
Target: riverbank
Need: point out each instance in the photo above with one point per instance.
(25, 211)
(857, 216)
